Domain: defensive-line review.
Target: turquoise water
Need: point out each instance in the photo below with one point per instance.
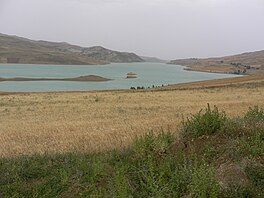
(148, 74)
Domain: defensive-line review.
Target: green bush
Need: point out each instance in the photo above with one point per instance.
(255, 115)
(203, 183)
(150, 144)
(253, 145)
(205, 122)
(234, 128)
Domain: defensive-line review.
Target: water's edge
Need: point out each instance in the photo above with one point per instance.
(149, 75)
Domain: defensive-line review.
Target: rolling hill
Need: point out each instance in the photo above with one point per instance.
(249, 62)
(15, 49)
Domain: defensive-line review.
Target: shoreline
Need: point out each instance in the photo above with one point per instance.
(205, 84)
(228, 81)
(187, 68)
(210, 69)
(89, 78)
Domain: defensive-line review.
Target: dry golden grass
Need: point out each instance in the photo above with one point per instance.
(245, 80)
(98, 121)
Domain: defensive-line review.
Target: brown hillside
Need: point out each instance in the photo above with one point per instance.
(251, 62)
(15, 49)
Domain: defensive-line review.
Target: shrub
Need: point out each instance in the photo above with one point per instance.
(205, 122)
(253, 145)
(255, 115)
(203, 182)
(234, 128)
(151, 144)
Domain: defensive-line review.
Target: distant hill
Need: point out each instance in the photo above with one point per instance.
(100, 53)
(249, 62)
(153, 59)
(15, 49)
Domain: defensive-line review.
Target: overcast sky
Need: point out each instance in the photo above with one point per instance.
(167, 29)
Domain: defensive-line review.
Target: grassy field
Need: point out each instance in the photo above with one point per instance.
(214, 156)
(38, 123)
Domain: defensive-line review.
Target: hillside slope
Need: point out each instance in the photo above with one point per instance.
(250, 62)
(101, 53)
(153, 59)
(15, 49)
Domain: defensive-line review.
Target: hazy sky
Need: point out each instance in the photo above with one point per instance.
(167, 29)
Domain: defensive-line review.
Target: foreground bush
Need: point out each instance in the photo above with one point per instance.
(206, 122)
(255, 115)
(217, 164)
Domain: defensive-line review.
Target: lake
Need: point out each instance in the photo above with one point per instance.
(149, 74)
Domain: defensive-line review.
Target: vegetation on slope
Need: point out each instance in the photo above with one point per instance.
(215, 156)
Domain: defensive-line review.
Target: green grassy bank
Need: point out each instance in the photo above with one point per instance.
(215, 156)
